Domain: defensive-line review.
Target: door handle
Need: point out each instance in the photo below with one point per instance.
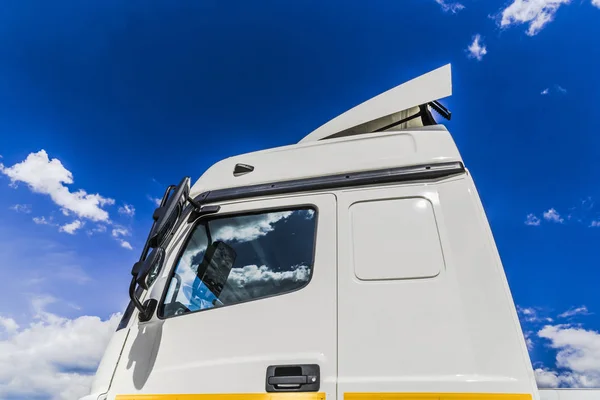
(288, 380)
(293, 378)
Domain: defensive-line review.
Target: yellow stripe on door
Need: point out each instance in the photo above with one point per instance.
(436, 396)
(238, 396)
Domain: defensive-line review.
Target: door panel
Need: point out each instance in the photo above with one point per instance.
(227, 349)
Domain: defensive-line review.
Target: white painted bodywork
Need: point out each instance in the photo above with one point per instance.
(433, 315)
(453, 332)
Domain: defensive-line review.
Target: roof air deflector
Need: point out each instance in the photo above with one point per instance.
(392, 107)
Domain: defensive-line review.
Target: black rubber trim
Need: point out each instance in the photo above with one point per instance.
(389, 175)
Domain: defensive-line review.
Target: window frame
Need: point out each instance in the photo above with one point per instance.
(232, 214)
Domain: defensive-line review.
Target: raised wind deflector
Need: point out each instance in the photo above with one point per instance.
(166, 218)
(406, 106)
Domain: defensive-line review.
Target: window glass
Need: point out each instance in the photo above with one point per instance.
(230, 260)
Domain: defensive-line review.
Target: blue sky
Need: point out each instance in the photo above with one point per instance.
(128, 97)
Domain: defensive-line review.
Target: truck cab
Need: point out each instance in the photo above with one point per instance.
(357, 264)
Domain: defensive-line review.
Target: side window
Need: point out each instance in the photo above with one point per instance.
(235, 259)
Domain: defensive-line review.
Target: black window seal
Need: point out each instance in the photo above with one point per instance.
(212, 217)
(389, 175)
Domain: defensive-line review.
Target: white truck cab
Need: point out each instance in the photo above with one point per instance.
(357, 264)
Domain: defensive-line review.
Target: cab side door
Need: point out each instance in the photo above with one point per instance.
(262, 323)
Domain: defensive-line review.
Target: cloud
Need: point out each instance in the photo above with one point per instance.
(253, 281)
(39, 359)
(582, 212)
(43, 221)
(452, 7)
(97, 229)
(476, 49)
(125, 244)
(530, 314)
(247, 228)
(528, 340)
(70, 228)
(118, 233)
(49, 177)
(553, 216)
(8, 325)
(537, 13)
(532, 220)
(21, 208)
(596, 3)
(546, 379)
(308, 214)
(577, 357)
(127, 209)
(155, 200)
(560, 89)
(555, 88)
(575, 311)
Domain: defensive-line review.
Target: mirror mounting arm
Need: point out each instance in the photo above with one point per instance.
(133, 297)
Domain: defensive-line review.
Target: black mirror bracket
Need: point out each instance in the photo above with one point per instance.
(149, 308)
(133, 297)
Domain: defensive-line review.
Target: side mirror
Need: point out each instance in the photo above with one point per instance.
(216, 266)
(142, 269)
(168, 213)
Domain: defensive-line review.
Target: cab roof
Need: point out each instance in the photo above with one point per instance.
(393, 129)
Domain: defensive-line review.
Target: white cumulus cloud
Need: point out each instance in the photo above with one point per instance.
(9, 325)
(536, 13)
(596, 3)
(70, 228)
(577, 357)
(545, 92)
(450, 6)
(127, 209)
(553, 216)
(546, 379)
(39, 360)
(118, 233)
(532, 220)
(477, 49)
(50, 177)
(125, 244)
